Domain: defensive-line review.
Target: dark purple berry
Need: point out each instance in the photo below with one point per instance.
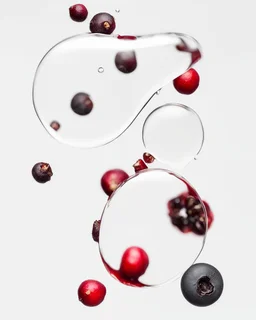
(82, 104)
(55, 125)
(202, 284)
(126, 61)
(96, 230)
(102, 23)
(42, 172)
(78, 12)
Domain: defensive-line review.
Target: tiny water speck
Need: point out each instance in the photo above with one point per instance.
(158, 91)
(101, 70)
(117, 10)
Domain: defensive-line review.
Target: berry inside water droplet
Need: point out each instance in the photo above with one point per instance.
(141, 250)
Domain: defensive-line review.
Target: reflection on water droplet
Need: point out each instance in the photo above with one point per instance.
(117, 10)
(158, 92)
(101, 70)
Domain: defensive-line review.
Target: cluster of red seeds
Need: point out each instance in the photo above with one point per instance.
(187, 214)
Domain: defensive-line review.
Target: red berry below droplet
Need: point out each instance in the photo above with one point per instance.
(55, 125)
(134, 263)
(139, 165)
(96, 230)
(188, 82)
(102, 23)
(78, 12)
(112, 179)
(148, 158)
(42, 172)
(81, 104)
(91, 293)
(126, 61)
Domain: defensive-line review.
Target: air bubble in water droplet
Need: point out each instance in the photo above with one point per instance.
(117, 10)
(76, 65)
(160, 204)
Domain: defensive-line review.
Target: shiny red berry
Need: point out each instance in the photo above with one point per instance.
(126, 61)
(42, 172)
(82, 104)
(112, 179)
(148, 158)
(102, 23)
(188, 82)
(126, 37)
(55, 125)
(78, 12)
(139, 165)
(134, 263)
(91, 293)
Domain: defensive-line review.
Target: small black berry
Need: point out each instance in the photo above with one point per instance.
(42, 172)
(96, 230)
(102, 23)
(202, 284)
(78, 12)
(126, 61)
(82, 104)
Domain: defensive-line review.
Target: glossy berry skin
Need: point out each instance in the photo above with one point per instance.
(102, 23)
(134, 263)
(112, 179)
(78, 12)
(81, 104)
(96, 230)
(42, 172)
(202, 284)
(91, 293)
(126, 61)
(55, 125)
(148, 158)
(139, 165)
(188, 82)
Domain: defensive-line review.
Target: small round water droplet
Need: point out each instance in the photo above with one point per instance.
(101, 70)
(117, 10)
(158, 92)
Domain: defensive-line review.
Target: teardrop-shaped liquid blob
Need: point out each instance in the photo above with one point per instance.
(152, 229)
(174, 134)
(95, 107)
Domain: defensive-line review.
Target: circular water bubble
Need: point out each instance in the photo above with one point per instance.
(174, 134)
(117, 10)
(101, 70)
(72, 66)
(160, 213)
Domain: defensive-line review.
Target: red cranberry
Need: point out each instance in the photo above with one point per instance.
(126, 61)
(78, 12)
(134, 263)
(55, 125)
(188, 82)
(91, 293)
(126, 37)
(112, 179)
(82, 104)
(148, 158)
(42, 172)
(96, 230)
(139, 165)
(102, 23)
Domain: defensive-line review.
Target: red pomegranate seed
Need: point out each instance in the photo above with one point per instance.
(139, 165)
(112, 179)
(134, 263)
(78, 12)
(96, 230)
(148, 158)
(188, 82)
(55, 125)
(91, 293)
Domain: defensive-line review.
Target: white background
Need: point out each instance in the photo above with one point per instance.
(45, 242)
